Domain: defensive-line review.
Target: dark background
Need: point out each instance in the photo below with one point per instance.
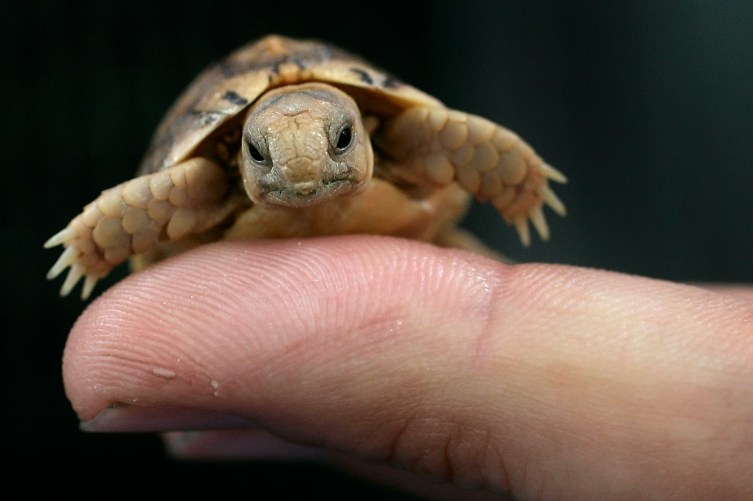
(646, 106)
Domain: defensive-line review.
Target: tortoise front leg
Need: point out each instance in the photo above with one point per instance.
(133, 217)
(441, 146)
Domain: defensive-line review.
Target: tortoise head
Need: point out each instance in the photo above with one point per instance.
(303, 145)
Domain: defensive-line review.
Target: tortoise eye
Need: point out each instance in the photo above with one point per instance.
(255, 154)
(344, 138)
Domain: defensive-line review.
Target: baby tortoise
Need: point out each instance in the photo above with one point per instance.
(296, 138)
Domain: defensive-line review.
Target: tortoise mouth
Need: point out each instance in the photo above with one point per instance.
(290, 197)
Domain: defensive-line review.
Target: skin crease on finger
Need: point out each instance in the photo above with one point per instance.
(539, 379)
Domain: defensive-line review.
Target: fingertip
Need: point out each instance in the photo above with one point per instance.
(184, 331)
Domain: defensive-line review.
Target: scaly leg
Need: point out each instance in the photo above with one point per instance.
(133, 217)
(441, 146)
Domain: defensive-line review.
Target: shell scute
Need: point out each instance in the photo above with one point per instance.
(223, 91)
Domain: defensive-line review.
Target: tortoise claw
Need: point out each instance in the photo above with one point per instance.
(552, 173)
(60, 237)
(553, 201)
(521, 226)
(74, 275)
(66, 259)
(70, 259)
(539, 222)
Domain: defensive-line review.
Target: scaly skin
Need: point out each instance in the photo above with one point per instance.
(295, 136)
(132, 217)
(439, 146)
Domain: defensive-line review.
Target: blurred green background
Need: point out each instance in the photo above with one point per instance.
(646, 106)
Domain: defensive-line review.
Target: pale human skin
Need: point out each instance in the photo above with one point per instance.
(544, 381)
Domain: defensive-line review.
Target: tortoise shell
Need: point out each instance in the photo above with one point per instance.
(222, 92)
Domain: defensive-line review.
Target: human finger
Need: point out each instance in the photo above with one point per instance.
(531, 378)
